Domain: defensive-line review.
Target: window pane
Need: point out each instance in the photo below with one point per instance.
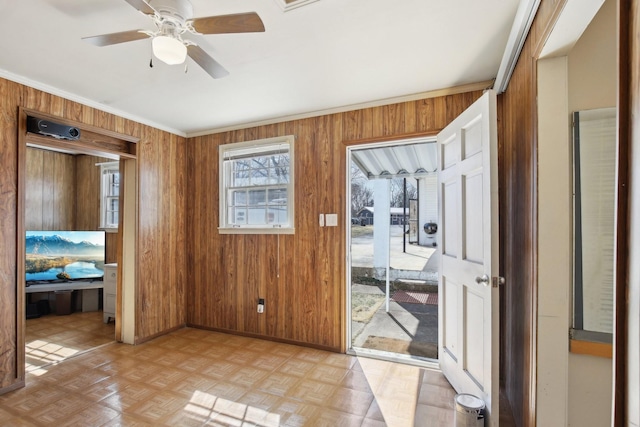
(279, 175)
(280, 161)
(111, 183)
(238, 215)
(257, 197)
(109, 194)
(260, 176)
(241, 179)
(278, 215)
(284, 176)
(112, 218)
(238, 198)
(277, 196)
(257, 215)
(259, 162)
(241, 165)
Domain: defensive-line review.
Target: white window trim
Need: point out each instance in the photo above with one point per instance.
(103, 206)
(255, 146)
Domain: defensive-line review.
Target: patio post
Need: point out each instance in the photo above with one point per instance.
(381, 231)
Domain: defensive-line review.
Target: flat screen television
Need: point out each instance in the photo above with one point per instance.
(64, 255)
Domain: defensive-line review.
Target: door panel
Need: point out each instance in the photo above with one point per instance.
(450, 324)
(448, 198)
(472, 234)
(469, 339)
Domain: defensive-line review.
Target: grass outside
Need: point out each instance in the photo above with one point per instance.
(364, 306)
(360, 230)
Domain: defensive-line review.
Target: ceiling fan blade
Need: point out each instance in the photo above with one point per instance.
(142, 6)
(224, 24)
(115, 38)
(203, 59)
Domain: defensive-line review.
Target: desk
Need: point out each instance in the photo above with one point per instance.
(89, 291)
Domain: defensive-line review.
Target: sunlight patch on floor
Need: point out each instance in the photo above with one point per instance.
(204, 407)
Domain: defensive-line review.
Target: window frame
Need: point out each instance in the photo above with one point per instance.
(600, 130)
(104, 169)
(247, 149)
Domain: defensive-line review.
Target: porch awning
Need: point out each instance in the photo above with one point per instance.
(398, 161)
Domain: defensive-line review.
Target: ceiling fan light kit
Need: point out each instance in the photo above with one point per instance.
(169, 50)
(172, 19)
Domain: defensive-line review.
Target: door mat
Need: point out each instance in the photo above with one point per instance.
(415, 297)
(394, 345)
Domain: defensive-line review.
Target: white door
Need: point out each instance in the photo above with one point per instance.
(468, 216)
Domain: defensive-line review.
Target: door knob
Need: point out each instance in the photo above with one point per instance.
(484, 280)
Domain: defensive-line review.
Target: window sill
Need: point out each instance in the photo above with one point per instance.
(591, 348)
(109, 230)
(249, 230)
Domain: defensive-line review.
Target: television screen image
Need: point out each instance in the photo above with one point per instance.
(64, 255)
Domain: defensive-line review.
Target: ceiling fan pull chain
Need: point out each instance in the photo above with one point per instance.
(151, 62)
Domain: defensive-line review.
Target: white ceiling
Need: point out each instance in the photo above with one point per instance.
(326, 55)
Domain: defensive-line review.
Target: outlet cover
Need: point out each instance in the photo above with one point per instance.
(331, 220)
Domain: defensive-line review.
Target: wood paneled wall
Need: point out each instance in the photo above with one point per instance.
(301, 276)
(518, 218)
(161, 234)
(50, 199)
(10, 376)
(161, 258)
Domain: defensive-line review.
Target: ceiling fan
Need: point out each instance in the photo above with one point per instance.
(173, 18)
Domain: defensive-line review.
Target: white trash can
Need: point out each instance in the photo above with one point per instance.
(469, 411)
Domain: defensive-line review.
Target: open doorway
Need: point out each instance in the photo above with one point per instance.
(68, 250)
(392, 238)
(63, 190)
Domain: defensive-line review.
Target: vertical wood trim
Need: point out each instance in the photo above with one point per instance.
(20, 250)
(120, 253)
(127, 302)
(628, 18)
(532, 220)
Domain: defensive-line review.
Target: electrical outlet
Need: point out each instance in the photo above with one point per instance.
(261, 305)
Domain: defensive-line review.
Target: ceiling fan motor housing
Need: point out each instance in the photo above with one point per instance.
(177, 10)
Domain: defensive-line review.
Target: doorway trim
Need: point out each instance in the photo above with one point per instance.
(102, 143)
(382, 355)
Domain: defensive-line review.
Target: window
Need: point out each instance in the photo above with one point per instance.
(109, 195)
(595, 148)
(256, 186)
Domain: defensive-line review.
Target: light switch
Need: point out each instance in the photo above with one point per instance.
(321, 221)
(332, 220)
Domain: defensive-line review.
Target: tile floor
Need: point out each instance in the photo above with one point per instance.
(194, 377)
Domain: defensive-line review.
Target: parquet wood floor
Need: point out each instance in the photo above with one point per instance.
(194, 377)
(51, 338)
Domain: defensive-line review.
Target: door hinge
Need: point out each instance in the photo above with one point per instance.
(496, 281)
